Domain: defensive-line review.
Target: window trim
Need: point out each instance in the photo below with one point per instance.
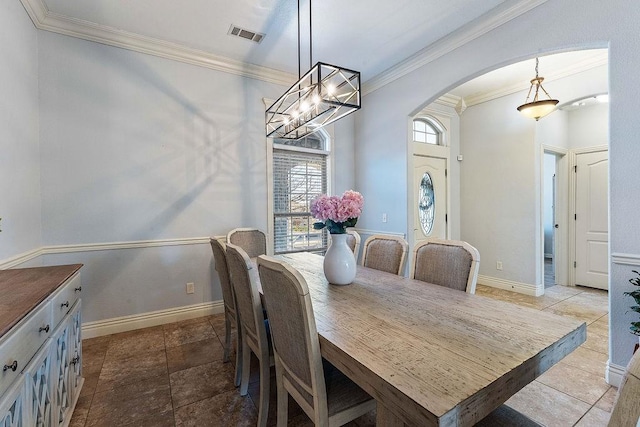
(328, 136)
(434, 123)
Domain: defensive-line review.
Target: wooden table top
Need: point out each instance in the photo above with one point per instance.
(429, 354)
(22, 289)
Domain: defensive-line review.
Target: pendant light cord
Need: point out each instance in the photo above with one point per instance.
(299, 71)
(310, 38)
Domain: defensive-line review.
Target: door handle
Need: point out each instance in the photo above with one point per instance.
(556, 226)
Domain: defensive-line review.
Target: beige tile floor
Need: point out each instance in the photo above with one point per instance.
(173, 375)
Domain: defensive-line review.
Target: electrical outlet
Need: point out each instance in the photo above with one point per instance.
(191, 288)
(498, 265)
(384, 217)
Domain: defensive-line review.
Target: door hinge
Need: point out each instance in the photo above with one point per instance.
(446, 217)
(575, 217)
(574, 264)
(445, 173)
(575, 169)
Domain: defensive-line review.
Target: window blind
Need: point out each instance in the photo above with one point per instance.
(298, 177)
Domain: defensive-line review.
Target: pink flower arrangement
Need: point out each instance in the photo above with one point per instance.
(337, 213)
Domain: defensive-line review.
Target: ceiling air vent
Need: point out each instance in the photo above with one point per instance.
(245, 34)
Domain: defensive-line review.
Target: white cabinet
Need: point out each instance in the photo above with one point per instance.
(12, 413)
(41, 356)
(67, 364)
(39, 402)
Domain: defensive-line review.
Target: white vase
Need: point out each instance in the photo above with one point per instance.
(339, 262)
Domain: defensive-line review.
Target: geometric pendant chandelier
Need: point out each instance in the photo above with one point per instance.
(321, 96)
(537, 108)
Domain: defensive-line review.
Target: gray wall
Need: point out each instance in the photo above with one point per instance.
(19, 149)
(381, 126)
(139, 148)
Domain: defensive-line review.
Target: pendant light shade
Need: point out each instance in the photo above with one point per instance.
(321, 96)
(537, 108)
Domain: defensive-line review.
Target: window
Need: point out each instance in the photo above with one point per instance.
(427, 131)
(426, 204)
(299, 175)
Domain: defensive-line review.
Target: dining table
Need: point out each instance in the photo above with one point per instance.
(430, 355)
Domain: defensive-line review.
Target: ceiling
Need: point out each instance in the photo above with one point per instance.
(381, 39)
(353, 34)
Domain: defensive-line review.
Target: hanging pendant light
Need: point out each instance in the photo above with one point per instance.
(321, 96)
(538, 107)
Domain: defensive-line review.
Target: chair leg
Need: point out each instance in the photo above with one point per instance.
(227, 337)
(282, 399)
(239, 342)
(246, 367)
(263, 412)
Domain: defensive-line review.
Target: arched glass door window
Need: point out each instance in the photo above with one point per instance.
(427, 131)
(426, 204)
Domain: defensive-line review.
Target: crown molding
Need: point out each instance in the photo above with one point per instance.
(46, 20)
(460, 37)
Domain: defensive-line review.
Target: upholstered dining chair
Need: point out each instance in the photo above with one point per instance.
(325, 394)
(385, 253)
(251, 240)
(244, 279)
(230, 313)
(354, 242)
(450, 263)
(626, 411)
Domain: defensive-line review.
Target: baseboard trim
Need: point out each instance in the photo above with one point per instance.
(613, 374)
(152, 318)
(509, 285)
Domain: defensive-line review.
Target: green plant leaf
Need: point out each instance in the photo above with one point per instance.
(318, 225)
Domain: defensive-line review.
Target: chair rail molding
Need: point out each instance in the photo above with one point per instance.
(625, 259)
(108, 246)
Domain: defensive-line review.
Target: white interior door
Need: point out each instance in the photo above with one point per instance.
(592, 230)
(430, 190)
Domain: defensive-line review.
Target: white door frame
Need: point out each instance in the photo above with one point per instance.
(428, 150)
(573, 161)
(562, 209)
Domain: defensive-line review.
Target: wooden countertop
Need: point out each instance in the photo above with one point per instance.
(22, 289)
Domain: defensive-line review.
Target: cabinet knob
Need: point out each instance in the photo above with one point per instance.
(64, 304)
(13, 366)
(44, 328)
(78, 289)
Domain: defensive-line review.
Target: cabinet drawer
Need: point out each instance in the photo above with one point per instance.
(65, 297)
(22, 342)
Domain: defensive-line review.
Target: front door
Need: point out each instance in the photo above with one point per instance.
(430, 192)
(591, 219)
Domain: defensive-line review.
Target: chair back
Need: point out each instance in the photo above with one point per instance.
(385, 253)
(353, 241)
(251, 240)
(244, 279)
(220, 259)
(449, 263)
(626, 411)
(293, 330)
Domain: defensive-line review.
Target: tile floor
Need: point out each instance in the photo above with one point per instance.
(173, 375)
